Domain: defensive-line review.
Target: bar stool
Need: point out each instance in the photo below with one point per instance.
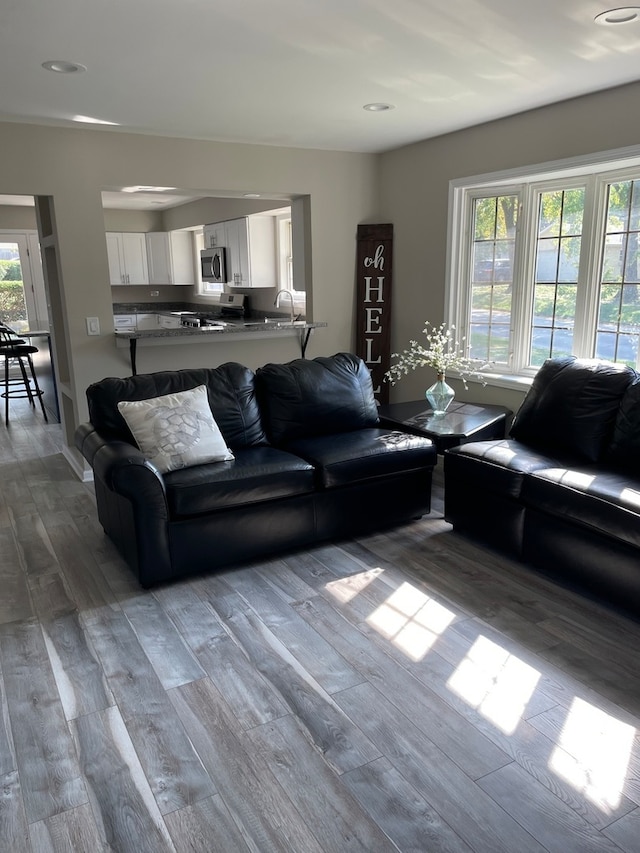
(16, 351)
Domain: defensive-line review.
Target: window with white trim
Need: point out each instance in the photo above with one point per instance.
(284, 241)
(547, 265)
(285, 251)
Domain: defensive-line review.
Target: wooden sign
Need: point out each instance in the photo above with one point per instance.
(373, 310)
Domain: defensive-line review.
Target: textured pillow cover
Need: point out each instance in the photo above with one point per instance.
(176, 430)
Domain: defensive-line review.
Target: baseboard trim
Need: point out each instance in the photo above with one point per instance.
(82, 473)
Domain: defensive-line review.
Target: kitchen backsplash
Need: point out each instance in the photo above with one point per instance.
(144, 307)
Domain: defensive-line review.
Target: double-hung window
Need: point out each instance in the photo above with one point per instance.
(547, 265)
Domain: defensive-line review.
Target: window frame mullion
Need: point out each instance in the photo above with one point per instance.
(590, 265)
(524, 267)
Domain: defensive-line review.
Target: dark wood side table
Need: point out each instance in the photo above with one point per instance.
(463, 422)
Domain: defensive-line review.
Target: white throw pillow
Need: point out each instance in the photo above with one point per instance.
(176, 430)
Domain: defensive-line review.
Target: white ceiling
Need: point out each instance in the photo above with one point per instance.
(121, 200)
(298, 72)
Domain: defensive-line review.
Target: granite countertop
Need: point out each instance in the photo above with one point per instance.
(230, 327)
(253, 322)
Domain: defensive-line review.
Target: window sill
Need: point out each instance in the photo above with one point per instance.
(500, 380)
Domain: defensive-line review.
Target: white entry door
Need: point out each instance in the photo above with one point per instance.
(23, 301)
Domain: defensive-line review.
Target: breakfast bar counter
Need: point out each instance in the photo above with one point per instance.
(244, 329)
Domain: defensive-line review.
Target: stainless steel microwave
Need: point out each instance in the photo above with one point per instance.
(213, 265)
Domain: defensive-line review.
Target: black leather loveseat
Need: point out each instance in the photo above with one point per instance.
(309, 462)
(562, 493)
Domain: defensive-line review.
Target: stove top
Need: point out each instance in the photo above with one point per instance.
(231, 306)
(196, 320)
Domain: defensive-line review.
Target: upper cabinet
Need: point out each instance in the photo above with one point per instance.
(158, 257)
(251, 249)
(127, 253)
(215, 235)
(171, 259)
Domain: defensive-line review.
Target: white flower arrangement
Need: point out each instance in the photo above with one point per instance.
(443, 352)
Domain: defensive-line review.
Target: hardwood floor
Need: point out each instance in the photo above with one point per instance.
(403, 691)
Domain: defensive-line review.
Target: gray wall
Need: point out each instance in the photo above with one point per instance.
(17, 218)
(133, 220)
(414, 187)
(408, 187)
(74, 165)
(207, 210)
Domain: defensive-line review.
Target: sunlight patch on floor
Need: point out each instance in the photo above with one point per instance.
(411, 620)
(593, 753)
(345, 589)
(495, 682)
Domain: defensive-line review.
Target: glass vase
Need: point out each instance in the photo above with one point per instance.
(440, 395)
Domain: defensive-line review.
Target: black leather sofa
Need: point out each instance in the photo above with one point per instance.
(562, 492)
(310, 463)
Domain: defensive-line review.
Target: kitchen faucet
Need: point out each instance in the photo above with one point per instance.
(290, 295)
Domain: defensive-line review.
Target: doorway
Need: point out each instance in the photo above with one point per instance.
(23, 306)
(23, 302)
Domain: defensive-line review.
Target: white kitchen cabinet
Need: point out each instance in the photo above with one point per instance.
(114, 242)
(159, 257)
(183, 269)
(127, 254)
(169, 321)
(251, 251)
(170, 257)
(146, 322)
(124, 322)
(237, 253)
(215, 235)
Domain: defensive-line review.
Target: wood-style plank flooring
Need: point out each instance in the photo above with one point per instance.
(404, 691)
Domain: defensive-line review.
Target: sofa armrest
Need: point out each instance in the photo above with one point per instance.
(132, 503)
(123, 469)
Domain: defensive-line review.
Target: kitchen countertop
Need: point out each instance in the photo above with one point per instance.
(201, 334)
(230, 327)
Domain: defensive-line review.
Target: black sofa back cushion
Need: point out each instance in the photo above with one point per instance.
(624, 451)
(571, 407)
(230, 387)
(320, 396)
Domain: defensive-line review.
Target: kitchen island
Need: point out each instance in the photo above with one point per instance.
(243, 329)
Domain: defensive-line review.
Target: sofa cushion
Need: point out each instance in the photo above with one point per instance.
(606, 502)
(176, 430)
(624, 451)
(494, 467)
(311, 397)
(257, 474)
(230, 389)
(571, 407)
(344, 459)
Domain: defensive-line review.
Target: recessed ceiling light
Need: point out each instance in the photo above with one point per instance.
(622, 15)
(378, 108)
(250, 195)
(62, 66)
(143, 189)
(92, 120)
